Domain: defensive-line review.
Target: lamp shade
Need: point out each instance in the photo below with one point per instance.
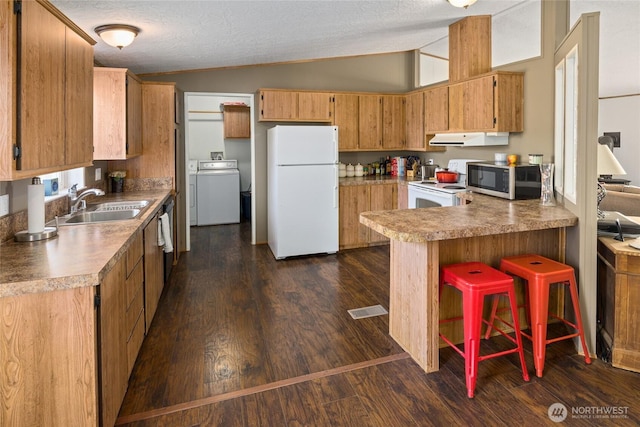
(461, 3)
(607, 163)
(117, 35)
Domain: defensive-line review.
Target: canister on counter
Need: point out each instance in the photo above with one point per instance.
(535, 159)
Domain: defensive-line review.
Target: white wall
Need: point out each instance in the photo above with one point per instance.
(621, 114)
(515, 36)
(205, 132)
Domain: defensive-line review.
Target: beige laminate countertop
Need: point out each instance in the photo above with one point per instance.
(485, 215)
(79, 256)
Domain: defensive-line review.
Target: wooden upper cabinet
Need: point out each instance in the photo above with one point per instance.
(315, 106)
(345, 116)
(414, 113)
(492, 103)
(477, 108)
(159, 135)
(370, 122)
(134, 116)
(436, 110)
(393, 123)
(278, 105)
(117, 114)
(43, 90)
(79, 101)
(48, 133)
(508, 96)
(469, 47)
(237, 121)
(295, 106)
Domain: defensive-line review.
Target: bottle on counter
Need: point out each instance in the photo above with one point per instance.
(388, 166)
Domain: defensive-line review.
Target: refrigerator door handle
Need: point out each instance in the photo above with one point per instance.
(335, 189)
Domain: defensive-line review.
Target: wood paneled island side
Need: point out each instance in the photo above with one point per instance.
(485, 230)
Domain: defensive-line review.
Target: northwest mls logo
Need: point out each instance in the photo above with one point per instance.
(557, 412)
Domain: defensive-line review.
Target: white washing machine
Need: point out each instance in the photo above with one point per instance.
(218, 192)
(193, 194)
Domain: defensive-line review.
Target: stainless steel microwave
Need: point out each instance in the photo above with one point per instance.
(513, 182)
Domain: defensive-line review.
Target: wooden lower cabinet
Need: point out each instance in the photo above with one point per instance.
(135, 300)
(355, 199)
(403, 196)
(619, 302)
(153, 271)
(67, 354)
(383, 197)
(48, 359)
(113, 343)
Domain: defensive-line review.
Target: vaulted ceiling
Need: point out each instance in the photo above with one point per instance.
(178, 35)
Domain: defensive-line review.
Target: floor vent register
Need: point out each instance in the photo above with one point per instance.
(374, 310)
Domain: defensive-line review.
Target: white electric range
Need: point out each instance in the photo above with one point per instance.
(430, 194)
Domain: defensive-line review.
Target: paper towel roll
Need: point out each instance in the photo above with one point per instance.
(35, 208)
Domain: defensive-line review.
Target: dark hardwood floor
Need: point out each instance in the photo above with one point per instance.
(240, 339)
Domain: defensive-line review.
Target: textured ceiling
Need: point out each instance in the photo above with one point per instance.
(189, 35)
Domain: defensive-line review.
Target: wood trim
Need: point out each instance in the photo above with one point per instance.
(257, 389)
(268, 64)
(68, 22)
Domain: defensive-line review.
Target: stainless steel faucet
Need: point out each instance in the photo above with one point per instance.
(78, 199)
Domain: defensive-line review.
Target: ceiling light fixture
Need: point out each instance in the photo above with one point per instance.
(461, 3)
(117, 35)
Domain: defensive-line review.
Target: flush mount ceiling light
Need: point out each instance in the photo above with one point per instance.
(117, 35)
(461, 3)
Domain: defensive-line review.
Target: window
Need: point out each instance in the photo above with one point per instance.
(66, 179)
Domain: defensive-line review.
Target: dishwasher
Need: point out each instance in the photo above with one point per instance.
(167, 208)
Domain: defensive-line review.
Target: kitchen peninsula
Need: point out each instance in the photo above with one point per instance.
(485, 230)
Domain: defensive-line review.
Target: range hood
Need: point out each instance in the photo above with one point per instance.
(470, 139)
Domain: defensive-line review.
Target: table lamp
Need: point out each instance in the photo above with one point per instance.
(607, 165)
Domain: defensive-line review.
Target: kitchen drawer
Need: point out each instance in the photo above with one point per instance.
(134, 253)
(133, 312)
(135, 342)
(135, 283)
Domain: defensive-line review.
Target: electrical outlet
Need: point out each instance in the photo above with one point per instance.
(98, 174)
(4, 205)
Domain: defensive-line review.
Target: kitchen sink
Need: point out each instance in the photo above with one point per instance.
(98, 216)
(120, 206)
(105, 212)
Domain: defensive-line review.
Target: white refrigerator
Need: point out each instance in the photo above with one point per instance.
(302, 185)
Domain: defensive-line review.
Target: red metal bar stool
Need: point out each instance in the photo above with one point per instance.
(540, 273)
(476, 280)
